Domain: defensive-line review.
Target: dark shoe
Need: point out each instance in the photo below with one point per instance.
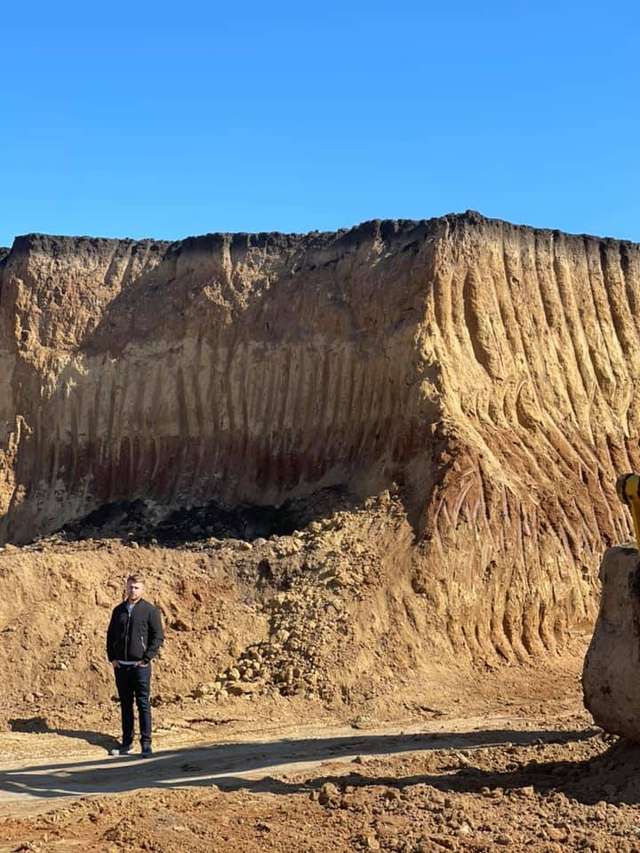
(123, 749)
(147, 752)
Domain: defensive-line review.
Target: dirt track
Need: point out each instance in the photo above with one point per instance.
(481, 784)
(226, 764)
(541, 777)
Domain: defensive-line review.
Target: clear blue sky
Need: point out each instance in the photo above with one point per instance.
(166, 120)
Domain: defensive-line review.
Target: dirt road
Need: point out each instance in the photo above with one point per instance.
(489, 783)
(230, 764)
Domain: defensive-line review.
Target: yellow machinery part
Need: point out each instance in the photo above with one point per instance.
(628, 489)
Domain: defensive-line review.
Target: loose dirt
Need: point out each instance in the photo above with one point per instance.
(403, 747)
(482, 784)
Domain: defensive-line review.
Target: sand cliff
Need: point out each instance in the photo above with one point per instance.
(484, 370)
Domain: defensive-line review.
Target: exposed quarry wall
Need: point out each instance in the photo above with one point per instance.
(536, 336)
(488, 369)
(241, 368)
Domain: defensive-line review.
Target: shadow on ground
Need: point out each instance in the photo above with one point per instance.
(38, 725)
(222, 765)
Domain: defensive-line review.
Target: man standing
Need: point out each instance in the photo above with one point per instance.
(134, 637)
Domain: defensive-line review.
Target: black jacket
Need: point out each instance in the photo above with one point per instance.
(135, 637)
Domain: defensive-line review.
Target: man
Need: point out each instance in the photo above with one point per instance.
(134, 638)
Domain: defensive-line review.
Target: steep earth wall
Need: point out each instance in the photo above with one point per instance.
(536, 336)
(489, 370)
(238, 368)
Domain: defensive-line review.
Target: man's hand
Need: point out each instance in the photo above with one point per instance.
(115, 664)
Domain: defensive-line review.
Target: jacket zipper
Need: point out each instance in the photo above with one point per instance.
(126, 638)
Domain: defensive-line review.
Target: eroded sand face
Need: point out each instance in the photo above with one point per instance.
(483, 371)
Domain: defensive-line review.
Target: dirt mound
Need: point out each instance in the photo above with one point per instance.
(284, 616)
(363, 472)
(468, 365)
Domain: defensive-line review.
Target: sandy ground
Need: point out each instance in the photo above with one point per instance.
(541, 777)
(336, 742)
(25, 784)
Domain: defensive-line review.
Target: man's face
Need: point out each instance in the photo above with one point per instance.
(134, 590)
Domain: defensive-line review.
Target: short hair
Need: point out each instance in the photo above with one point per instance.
(137, 578)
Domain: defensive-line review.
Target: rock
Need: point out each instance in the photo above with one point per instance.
(555, 833)
(329, 793)
(288, 548)
(392, 794)
(610, 676)
(241, 688)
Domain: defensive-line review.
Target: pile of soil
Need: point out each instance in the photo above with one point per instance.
(286, 616)
(337, 465)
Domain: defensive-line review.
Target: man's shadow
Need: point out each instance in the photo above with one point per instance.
(39, 725)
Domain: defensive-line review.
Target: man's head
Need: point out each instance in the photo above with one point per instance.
(135, 588)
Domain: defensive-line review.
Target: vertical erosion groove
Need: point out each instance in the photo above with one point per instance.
(557, 352)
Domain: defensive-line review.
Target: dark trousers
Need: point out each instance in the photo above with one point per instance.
(134, 682)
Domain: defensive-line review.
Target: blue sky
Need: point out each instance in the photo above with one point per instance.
(166, 120)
